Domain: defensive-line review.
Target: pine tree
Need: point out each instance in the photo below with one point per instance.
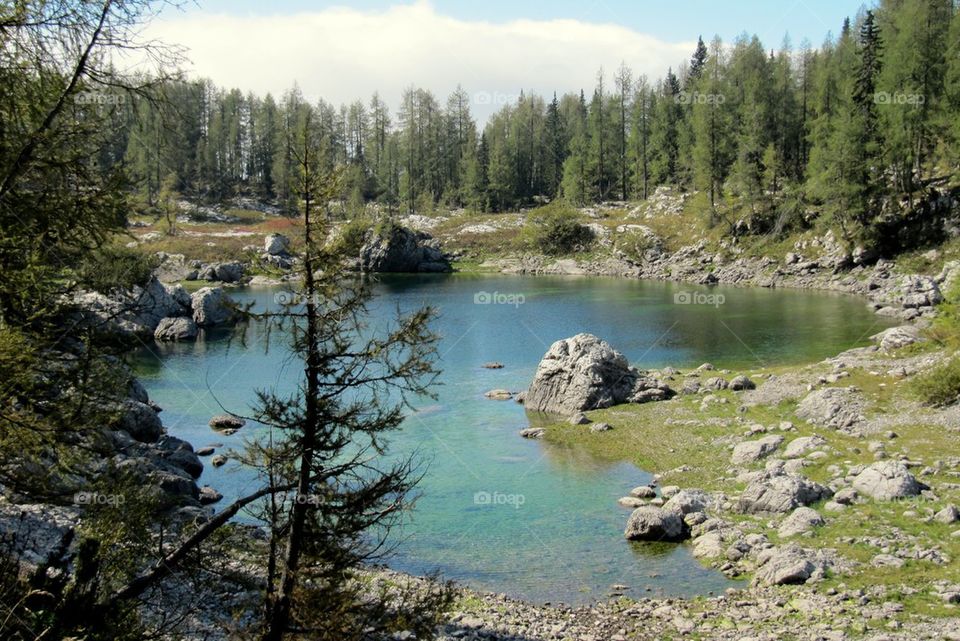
(711, 123)
(697, 62)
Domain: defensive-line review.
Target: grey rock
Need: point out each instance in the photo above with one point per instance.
(219, 460)
(211, 307)
(578, 419)
(949, 514)
(838, 407)
(139, 420)
(276, 245)
(499, 395)
(886, 480)
(802, 519)
(600, 427)
(687, 502)
(716, 383)
(178, 328)
(752, 451)
(643, 492)
(738, 383)
(800, 446)
(786, 565)
(650, 523)
(209, 495)
(780, 493)
(897, 337)
(533, 432)
(583, 373)
(403, 251)
(226, 422)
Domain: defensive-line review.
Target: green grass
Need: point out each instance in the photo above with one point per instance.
(700, 441)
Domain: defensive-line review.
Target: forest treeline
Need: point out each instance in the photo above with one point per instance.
(870, 116)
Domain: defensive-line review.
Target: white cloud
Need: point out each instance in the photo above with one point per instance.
(342, 54)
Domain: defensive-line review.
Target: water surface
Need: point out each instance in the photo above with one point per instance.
(498, 512)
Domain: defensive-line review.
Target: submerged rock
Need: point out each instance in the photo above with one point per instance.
(226, 422)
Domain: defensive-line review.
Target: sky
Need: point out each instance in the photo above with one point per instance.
(344, 51)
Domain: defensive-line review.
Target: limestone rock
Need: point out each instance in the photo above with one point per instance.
(780, 493)
(886, 481)
(651, 523)
(802, 519)
(752, 451)
(180, 328)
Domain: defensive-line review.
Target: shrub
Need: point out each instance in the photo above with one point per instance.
(559, 232)
(353, 235)
(114, 267)
(941, 385)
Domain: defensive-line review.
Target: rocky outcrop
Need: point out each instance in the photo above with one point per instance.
(779, 493)
(886, 481)
(158, 311)
(135, 313)
(586, 373)
(402, 251)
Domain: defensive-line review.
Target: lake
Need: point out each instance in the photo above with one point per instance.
(498, 512)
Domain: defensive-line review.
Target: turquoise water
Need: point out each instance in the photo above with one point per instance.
(496, 511)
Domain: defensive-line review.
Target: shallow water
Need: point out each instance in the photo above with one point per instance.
(499, 512)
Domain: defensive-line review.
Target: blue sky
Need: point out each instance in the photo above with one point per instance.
(494, 49)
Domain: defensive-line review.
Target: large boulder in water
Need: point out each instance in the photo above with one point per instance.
(651, 523)
(586, 373)
(402, 250)
(211, 306)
